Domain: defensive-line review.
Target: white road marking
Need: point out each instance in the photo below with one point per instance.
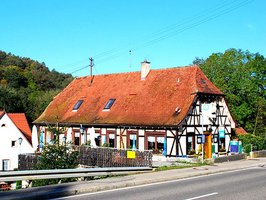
(202, 196)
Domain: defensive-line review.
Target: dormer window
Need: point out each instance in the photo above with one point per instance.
(77, 105)
(109, 104)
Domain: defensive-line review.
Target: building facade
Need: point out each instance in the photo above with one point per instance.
(168, 111)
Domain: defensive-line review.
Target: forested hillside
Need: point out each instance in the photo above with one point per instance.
(241, 76)
(27, 85)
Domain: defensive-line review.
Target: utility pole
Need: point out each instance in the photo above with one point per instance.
(91, 65)
(130, 58)
(202, 137)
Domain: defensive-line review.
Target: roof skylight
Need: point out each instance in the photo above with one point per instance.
(109, 104)
(77, 105)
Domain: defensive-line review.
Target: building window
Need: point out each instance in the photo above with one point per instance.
(77, 105)
(155, 142)
(132, 140)
(13, 143)
(5, 165)
(109, 104)
(97, 138)
(111, 138)
(77, 138)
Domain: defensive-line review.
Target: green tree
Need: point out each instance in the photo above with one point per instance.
(241, 76)
(258, 143)
(10, 99)
(14, 77)
(56, 157)
(28, 86)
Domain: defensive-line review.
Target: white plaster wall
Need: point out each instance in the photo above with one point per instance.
(227, 142)
(141, 132)
(9, 133)
(141, 143)
(170, 141)
(183, 145)
(141, 139)
(103, 131)
(226, 112)
(169, 146)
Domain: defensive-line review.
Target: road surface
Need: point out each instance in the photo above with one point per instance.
(244, 184)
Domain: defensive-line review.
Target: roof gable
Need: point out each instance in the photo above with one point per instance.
(153, 101)
(19, 119)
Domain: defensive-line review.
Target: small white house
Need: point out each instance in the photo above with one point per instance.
(15, 139)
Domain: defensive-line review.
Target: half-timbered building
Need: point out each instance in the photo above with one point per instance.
(164, 110)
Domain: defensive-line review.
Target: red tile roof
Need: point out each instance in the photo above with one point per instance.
(20, 121)
(240, 131)
(138, 102)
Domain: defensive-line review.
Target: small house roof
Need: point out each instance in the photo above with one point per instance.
(19, 119)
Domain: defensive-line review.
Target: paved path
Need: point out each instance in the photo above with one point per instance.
(66, 189)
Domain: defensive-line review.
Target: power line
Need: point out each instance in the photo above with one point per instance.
(172, 30)
(79, 69)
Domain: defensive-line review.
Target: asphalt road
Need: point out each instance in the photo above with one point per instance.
(245, 184)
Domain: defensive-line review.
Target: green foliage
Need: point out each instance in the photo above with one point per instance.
(180, 165)
(241, 76)
(18, 185)
(56, 157)
(258, 143)
(57, 131)
(11, 99)
(106, 145)
(27, 85)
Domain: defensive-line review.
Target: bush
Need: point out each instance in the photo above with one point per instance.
(257, 142)
(56, 157)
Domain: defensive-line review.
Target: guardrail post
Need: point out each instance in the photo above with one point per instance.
(30, 183)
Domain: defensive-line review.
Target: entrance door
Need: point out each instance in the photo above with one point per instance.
(190, 143)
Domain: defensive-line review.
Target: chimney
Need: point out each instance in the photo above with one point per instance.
(145, 69)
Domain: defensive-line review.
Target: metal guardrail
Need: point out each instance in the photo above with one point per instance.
(67, 173)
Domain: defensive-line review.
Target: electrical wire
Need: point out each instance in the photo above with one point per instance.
(172, 30)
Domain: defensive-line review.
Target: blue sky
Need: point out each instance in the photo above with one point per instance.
(64, 34)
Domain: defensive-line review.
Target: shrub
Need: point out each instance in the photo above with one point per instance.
(56, 157)
(257, 142)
